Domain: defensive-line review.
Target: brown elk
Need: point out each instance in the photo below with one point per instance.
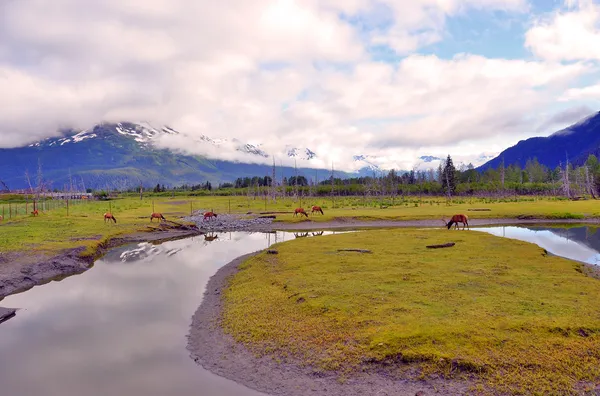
(316, 209)
(158, 216)
(301, 211)
(458, 218)
(35, 213)
(209, 215)
(108, 216)
(1, 217)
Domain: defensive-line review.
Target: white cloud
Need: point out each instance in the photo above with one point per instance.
(567, 35)
(591, 92)
(276, 72)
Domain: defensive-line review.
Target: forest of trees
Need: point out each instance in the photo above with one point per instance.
(507, 179)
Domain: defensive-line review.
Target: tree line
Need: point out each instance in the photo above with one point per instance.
(532, 179)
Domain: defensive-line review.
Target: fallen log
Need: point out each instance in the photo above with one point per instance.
(267, 217)
(355, 250)
(479, 210)
(445, 245)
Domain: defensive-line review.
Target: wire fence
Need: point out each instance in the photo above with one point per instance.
(13, 210)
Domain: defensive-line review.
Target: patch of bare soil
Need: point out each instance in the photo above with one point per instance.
(220, 354)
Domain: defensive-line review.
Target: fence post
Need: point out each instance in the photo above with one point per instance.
(67, 207)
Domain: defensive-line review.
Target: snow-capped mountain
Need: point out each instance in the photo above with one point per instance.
(367, 162)
(298, 153)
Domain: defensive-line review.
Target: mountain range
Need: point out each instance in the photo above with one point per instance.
(123, 155)
(575, 142)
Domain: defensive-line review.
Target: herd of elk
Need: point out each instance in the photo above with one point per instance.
(108, 217)
(313, 210)
(458, 218)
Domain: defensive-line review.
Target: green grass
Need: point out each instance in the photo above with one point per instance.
(496, 310)
(53, 230)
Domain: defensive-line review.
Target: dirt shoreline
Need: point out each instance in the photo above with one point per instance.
(218, 352)
(20, 271)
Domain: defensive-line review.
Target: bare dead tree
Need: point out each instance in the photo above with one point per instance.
(28, 181)
(40, 180)
(588, 182)
(273, 183)
(502, 174)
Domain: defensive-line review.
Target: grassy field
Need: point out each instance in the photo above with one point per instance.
(54, 230)
(496, 310)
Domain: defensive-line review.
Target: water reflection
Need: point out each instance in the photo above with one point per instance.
(578, 243)
(120, 328)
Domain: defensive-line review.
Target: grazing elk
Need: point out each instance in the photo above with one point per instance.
(35, 213)
(316, 209)
(158, 216)
(301, 211)
(459, 218)
(209, 215)
(300, 235)
(108, 216)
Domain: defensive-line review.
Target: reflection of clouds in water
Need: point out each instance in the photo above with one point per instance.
(559, 245)
(119, 328)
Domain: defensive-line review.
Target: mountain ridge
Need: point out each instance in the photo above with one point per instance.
(574, 142)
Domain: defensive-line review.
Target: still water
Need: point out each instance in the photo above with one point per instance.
(120, 328)
(577, 243)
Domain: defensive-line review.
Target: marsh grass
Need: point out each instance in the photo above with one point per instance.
(497, 311)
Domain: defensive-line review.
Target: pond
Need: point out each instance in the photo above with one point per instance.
(120, 328)
(575, 243)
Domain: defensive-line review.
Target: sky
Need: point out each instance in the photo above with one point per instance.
(392, 79)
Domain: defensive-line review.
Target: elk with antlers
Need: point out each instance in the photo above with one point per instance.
(458, 218)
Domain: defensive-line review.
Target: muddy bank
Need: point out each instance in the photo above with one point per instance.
(256, 222)
(349, 223)
(20, 271)
(6, 313)
(220, 354)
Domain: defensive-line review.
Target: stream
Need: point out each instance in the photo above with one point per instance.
(120, 328)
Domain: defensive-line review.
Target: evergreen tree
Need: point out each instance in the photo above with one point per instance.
(449, 177)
